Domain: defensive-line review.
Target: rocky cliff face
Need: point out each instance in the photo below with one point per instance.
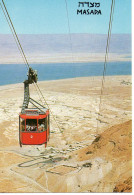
(115, 146)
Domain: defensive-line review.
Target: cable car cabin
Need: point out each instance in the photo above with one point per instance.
(34, 127)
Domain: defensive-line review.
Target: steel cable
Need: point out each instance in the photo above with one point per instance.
(15, 33)
(106, 57)
(69, 30)
(49, 108)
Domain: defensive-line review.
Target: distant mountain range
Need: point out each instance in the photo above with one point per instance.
(65, 43)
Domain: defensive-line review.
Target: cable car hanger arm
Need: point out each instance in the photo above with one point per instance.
(32, 78)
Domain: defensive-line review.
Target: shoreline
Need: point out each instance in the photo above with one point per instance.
(65, 58)
(60, 80)
(78, 62)
(66, 62)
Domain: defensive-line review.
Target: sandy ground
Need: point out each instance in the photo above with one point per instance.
(91, 152)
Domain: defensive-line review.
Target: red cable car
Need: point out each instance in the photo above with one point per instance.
(34, 127)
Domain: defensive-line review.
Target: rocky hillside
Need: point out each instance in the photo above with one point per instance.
(113, 145)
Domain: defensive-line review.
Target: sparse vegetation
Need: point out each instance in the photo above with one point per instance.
(126, 83)
(89, 152)
(87, 165)
(97, 139)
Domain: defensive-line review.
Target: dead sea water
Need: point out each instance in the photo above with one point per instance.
(17, 73)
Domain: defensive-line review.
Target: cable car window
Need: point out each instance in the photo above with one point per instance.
(42, 124)
(22, 124)
(31, 124)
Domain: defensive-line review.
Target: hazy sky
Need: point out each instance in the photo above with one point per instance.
(50, 16)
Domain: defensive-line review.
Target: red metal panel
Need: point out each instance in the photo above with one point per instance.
(33, 138)
(48, 134)
(24, 116)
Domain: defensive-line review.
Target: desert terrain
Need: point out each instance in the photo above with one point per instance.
(88, 151)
